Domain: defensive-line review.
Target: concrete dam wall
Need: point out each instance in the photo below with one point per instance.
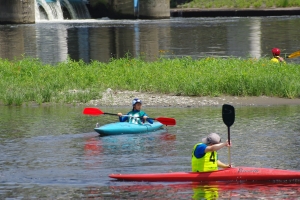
(17, 11)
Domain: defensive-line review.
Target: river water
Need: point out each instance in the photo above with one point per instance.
(52, 152)
(103, 39)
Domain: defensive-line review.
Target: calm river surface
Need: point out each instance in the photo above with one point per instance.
(103, 39)
(52, 152)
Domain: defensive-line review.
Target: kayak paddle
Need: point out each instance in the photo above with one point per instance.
(294, 55)
(97, 112)
(228, 115)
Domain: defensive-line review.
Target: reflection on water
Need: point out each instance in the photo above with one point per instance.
(158, 191)
(255, 38)
(215, 190)
(54, 153)
(176, 37)
(210, 191)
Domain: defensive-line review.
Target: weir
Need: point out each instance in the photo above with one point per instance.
(30, 11)
(61, 9)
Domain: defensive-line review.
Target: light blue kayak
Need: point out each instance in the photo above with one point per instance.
(127, 128)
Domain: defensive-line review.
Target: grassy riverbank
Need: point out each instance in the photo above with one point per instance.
(234, 4)
(29, 80)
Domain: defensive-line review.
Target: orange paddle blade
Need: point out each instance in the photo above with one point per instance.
(92, 111)
(294, 55)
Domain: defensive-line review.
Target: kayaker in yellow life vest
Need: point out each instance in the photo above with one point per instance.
(276, 56)
(136, 115)
(205, 156)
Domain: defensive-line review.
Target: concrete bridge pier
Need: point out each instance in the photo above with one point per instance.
(154, 9)
(17, 11)
(142, 9)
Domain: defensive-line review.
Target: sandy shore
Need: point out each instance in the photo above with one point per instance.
(124, 98)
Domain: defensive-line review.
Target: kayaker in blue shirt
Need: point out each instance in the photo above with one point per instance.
(136, 115)
(205, 156)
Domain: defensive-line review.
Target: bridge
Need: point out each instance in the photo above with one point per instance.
(30, 11)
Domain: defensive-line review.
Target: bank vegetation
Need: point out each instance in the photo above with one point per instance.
(259, 4)
(29, 80)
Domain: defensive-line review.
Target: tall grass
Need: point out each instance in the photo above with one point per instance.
(29, 80)
(239, 3)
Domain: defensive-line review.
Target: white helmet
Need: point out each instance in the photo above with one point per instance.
(136, 100)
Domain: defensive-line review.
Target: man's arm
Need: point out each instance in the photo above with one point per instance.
(216, 147)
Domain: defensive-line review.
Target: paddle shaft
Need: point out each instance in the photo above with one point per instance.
(96, 112)
(125, 115)
(110, 114)
(229, 154)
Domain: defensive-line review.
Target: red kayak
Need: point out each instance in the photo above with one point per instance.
(230, 174)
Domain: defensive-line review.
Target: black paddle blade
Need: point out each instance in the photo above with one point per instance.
(228, 114)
